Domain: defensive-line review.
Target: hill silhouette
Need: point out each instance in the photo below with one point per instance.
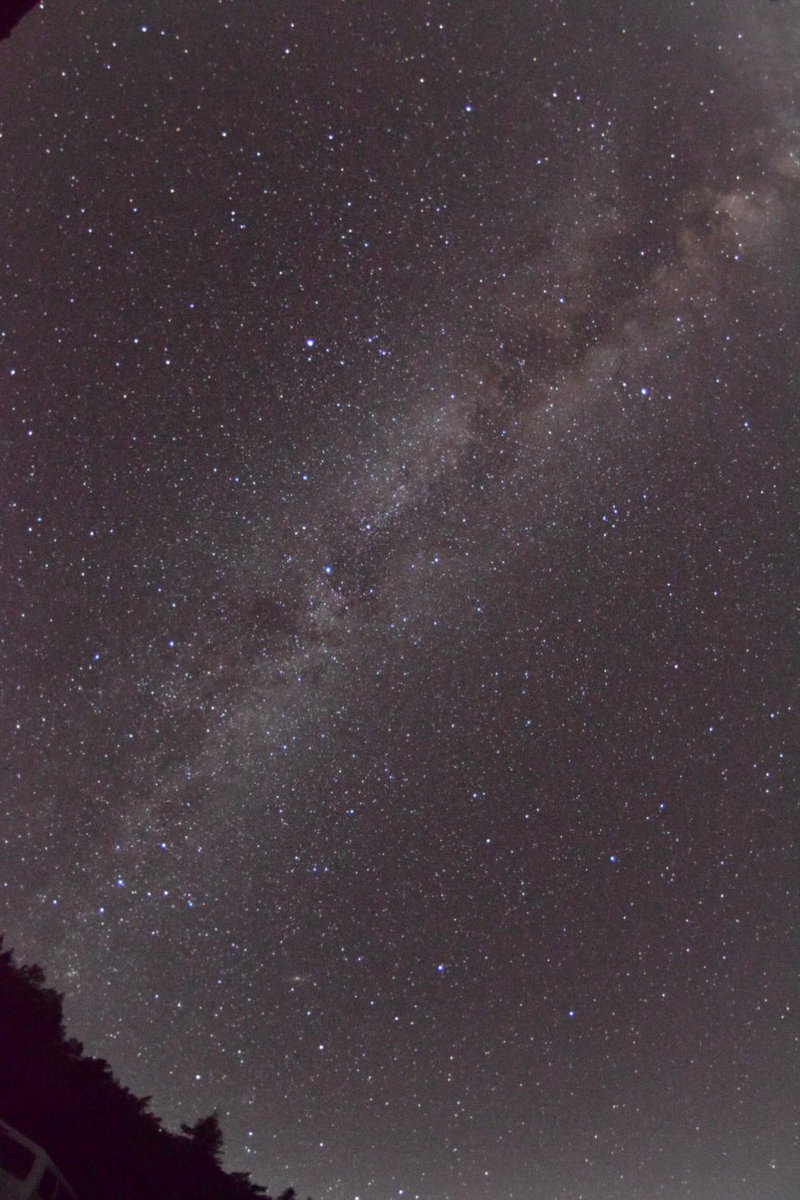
(101, 1136)
(11, 13)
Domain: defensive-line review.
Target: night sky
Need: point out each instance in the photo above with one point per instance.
(399, 580)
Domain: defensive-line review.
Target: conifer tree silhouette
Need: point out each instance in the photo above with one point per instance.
(206, 1135)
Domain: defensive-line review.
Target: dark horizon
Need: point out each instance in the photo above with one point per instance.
(11, 13)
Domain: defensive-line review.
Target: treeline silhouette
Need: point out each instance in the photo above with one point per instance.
(12, 12)
(103, 1138)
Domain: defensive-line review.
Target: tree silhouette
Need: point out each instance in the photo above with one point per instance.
(102, 1136)
(206, 1135)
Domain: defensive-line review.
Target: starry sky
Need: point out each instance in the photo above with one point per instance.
(398, 580)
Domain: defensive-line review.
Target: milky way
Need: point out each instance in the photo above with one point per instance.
(400, 439)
